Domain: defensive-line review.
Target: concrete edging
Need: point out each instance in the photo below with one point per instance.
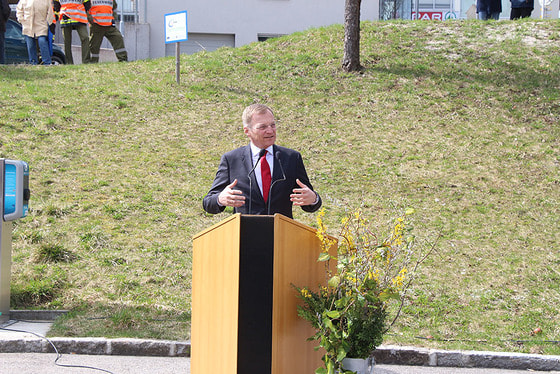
(465, 359)
(396, 355)
(385, 354)
(97, 346)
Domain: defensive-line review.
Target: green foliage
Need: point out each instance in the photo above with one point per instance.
(54, 253)
(38, 290)
(114, 320)
(368, 327)
(349, 312)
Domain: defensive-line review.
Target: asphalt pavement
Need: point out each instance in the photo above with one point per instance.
(25, 350)
(50, 363)
(44, 363)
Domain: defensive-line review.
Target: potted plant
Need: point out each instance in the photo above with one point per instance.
(350, 312)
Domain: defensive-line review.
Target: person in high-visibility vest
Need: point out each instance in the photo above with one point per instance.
(102, 20)
(72, 15)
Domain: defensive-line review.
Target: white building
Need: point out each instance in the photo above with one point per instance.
(216, 23)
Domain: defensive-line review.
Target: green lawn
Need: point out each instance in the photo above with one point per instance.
(457, 119)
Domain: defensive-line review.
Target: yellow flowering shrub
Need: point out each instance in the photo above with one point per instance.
(350, 314)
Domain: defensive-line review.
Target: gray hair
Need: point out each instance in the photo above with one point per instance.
(251, 110)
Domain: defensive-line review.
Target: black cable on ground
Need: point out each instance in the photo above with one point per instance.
(58, 355)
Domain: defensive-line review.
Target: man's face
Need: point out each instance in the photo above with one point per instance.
(262, 130)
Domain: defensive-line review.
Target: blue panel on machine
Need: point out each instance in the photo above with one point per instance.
(16, 189)
(9, 189)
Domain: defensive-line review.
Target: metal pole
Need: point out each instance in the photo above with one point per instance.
(5, 253)
(121, 23)
(178, 62)
(145, 11)
(136, 12)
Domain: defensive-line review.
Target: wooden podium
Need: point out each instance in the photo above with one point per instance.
(244, 315)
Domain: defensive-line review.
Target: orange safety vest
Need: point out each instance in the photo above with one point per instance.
(73, 9)
(102, 12)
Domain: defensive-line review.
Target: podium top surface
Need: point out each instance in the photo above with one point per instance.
(237, 216)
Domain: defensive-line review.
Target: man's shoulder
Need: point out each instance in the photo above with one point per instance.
(284, 150)
(236, 152)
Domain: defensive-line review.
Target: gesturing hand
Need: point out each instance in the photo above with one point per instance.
(303, 196)
(231, 197)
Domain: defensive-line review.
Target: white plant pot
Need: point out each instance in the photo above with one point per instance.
(359, 365)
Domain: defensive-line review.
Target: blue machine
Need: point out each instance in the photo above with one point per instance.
(14, 198)
(16, 189)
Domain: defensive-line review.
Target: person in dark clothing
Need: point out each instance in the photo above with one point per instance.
(521, 9)
(488, 9)
(4, 15)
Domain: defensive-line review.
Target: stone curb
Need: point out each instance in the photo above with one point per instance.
(36, 315)
(97, 346)
(391, 355)
(465, 359)
(385, 354)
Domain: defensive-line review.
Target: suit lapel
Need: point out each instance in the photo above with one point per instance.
(247, 159)
(277, 169)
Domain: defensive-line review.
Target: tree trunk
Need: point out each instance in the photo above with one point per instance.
(351, 59)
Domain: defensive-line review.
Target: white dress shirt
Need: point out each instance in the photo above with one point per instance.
(269, 158)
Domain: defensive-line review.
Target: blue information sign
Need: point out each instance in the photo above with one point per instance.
(176, 27)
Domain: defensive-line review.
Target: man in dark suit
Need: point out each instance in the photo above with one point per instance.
(243, 171)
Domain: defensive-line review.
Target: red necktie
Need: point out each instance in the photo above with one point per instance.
(265, 175)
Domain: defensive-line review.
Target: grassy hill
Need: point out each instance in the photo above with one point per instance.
(458, 120)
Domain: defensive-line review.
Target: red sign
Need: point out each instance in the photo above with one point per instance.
(434, 16)
(428, 16)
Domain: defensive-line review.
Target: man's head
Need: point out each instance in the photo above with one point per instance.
(259, 125)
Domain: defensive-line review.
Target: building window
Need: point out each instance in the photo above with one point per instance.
(434, 5)
(264, 37)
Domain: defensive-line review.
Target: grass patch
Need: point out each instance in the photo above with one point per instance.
(458, 120)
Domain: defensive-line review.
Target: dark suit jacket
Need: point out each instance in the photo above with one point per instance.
(237, 164)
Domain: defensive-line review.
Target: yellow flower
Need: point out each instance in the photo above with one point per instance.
(374, 275)
(398, 281)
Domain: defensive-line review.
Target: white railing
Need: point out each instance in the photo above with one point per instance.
(128, 10)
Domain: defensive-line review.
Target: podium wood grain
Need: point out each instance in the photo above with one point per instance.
(244, 315)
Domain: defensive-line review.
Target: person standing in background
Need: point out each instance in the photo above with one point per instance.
(52, 30)
(521, 9)
(489, 9)
(102, 25)
(4, 15)
(35, 17)
(72, 15)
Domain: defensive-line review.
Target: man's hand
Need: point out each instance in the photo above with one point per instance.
(303, 196)
(231, 197)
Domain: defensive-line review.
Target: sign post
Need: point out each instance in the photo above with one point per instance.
(5, 254)
(176, 32)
